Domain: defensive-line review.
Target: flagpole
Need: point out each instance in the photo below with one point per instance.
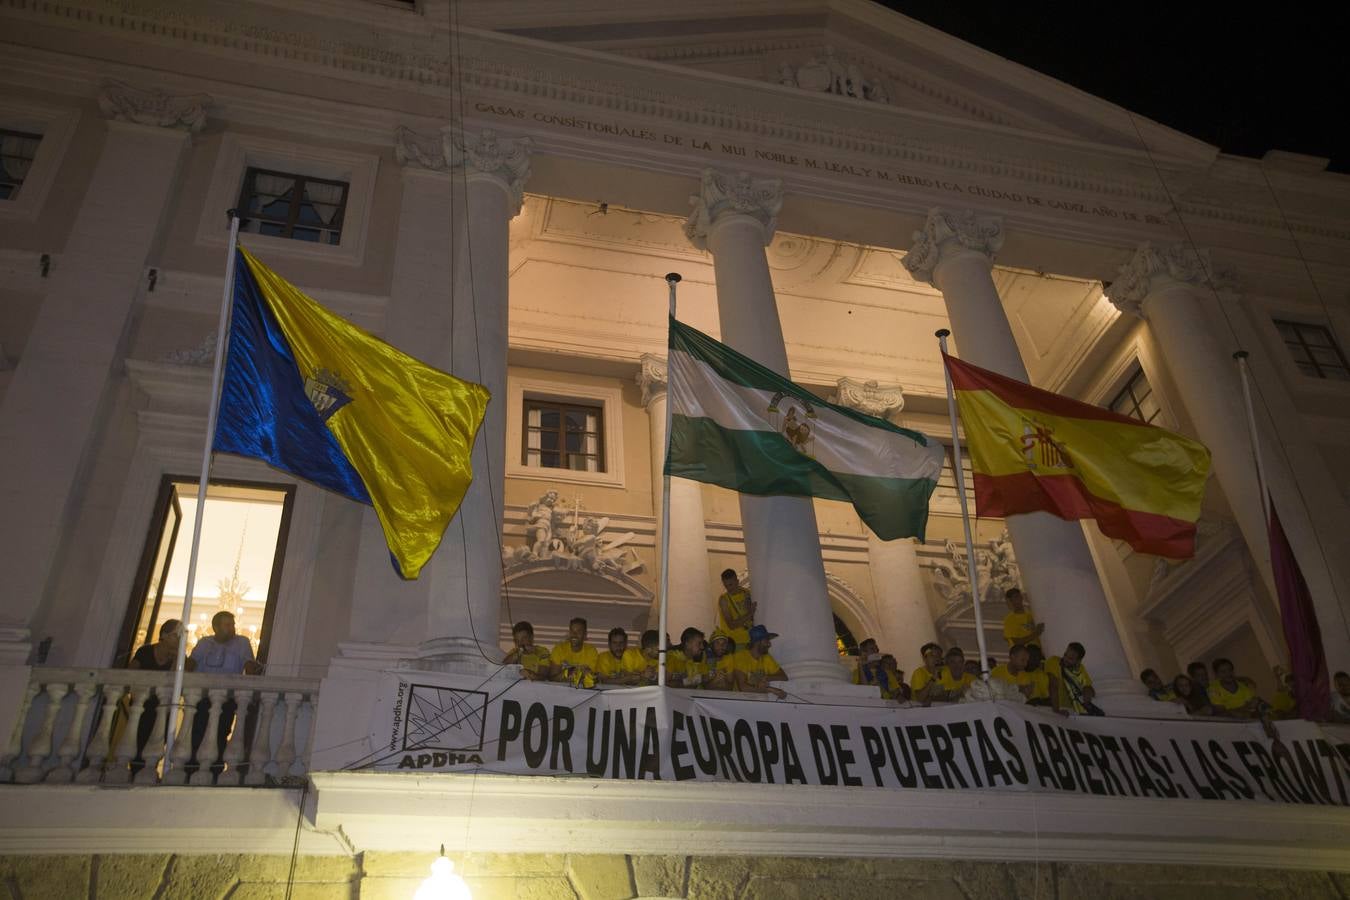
(222, 329)
(958, 475)
(664, 602)
(1241, 357)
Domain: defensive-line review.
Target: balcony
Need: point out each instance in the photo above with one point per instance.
(109, 726)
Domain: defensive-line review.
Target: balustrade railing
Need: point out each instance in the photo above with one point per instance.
(108, 726)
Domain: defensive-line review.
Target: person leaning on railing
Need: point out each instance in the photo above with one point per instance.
(755, 668)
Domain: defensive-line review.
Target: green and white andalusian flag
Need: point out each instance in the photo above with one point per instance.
(736, 424)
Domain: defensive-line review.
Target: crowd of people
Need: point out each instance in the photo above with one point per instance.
(1217, 690)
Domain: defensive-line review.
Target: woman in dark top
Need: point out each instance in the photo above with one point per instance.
(1192, 696)
(159, 656)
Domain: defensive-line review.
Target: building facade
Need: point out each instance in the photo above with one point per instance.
(500, 189)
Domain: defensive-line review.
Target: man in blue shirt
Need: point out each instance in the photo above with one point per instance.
(223, 653)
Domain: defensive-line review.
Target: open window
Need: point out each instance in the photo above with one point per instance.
(238, 570)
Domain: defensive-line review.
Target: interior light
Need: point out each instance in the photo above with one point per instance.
(444, 883)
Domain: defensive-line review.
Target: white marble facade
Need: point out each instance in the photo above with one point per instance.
(832, 193)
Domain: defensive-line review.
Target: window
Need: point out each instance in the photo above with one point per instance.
(1136, 399)
(1314, 350)
(17, 152)
(299, 207)
(238, 569)
(562, 435)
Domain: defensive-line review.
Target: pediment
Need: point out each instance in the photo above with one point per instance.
(853, 49)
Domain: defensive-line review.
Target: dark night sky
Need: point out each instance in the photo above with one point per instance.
(1247, 80)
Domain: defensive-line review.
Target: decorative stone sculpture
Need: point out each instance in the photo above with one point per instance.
(1175, 261)
(830, 74)
(560, 535)
(869, 397)
(995, 567)
(425, 151)
(124, 103)
(488, 153)
(963, 228)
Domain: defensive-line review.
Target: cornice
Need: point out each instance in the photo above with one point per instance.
(503, 66)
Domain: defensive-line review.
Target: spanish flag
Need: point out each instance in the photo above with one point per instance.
(306, 391)
(1034, 451)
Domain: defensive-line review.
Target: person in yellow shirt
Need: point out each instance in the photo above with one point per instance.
(868, 668)
(1231, 697)
(620, 664)
(651, 655)
(923, 684)
(893, 685)
(1076, 692)
(1156, 688)
(735, 609)
(755, 668)
(574, 661)
(532, 659)
(721, 653)
(688, 666)
(954, 679)
(1019, 627)
(1034, 684)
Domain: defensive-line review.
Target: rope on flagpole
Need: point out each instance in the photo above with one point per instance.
(1241, 357)
(958, 476)
(222, 334)
(672, 279)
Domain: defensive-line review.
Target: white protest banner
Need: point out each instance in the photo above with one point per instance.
(433, 722)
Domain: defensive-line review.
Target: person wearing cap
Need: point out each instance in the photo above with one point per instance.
(735, 609)
(755, 668)
(721, 655)
(687, 667)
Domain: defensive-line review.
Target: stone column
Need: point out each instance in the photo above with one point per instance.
(1167, 286)
(955, 253)
(691, 596)
(448, 307)
(734, 218)
(897, 582)
(50, 411)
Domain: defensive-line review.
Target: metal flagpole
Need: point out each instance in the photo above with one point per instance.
(672, 279)
(222, 328)
(958, 476)
(1241, 357)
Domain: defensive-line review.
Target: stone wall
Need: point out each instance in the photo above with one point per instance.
(500, 876)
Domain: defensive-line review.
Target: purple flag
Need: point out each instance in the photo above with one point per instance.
(1312, 687)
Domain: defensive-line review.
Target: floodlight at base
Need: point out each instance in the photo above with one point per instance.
(443, 884)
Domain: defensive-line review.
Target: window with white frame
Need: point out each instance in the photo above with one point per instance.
(1136, 399)
(1314, 350)
(288, 205)
(565, 428)
(563, 435)
(18, 149)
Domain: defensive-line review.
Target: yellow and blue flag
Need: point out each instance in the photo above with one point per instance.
(311, 394)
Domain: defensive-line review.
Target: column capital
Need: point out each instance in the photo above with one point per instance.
(505, 160)
(949, 231)
(1150, 267)
(415, 150)
(651, 377)
(122, 102)
(731, 193)
(869, 397)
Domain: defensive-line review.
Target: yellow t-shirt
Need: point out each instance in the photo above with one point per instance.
(1017, 629)
(756, 671)
(1223, 698)
(579, 666)
(740, 605)
(1054, 666)
(691, 671)
(893, 687)
(1039, 681)
(919, 680)
(1283, 703)
(608, 665)
(530, 660)
(952, 685)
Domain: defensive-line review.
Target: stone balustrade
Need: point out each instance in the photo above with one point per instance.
(109, 726)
